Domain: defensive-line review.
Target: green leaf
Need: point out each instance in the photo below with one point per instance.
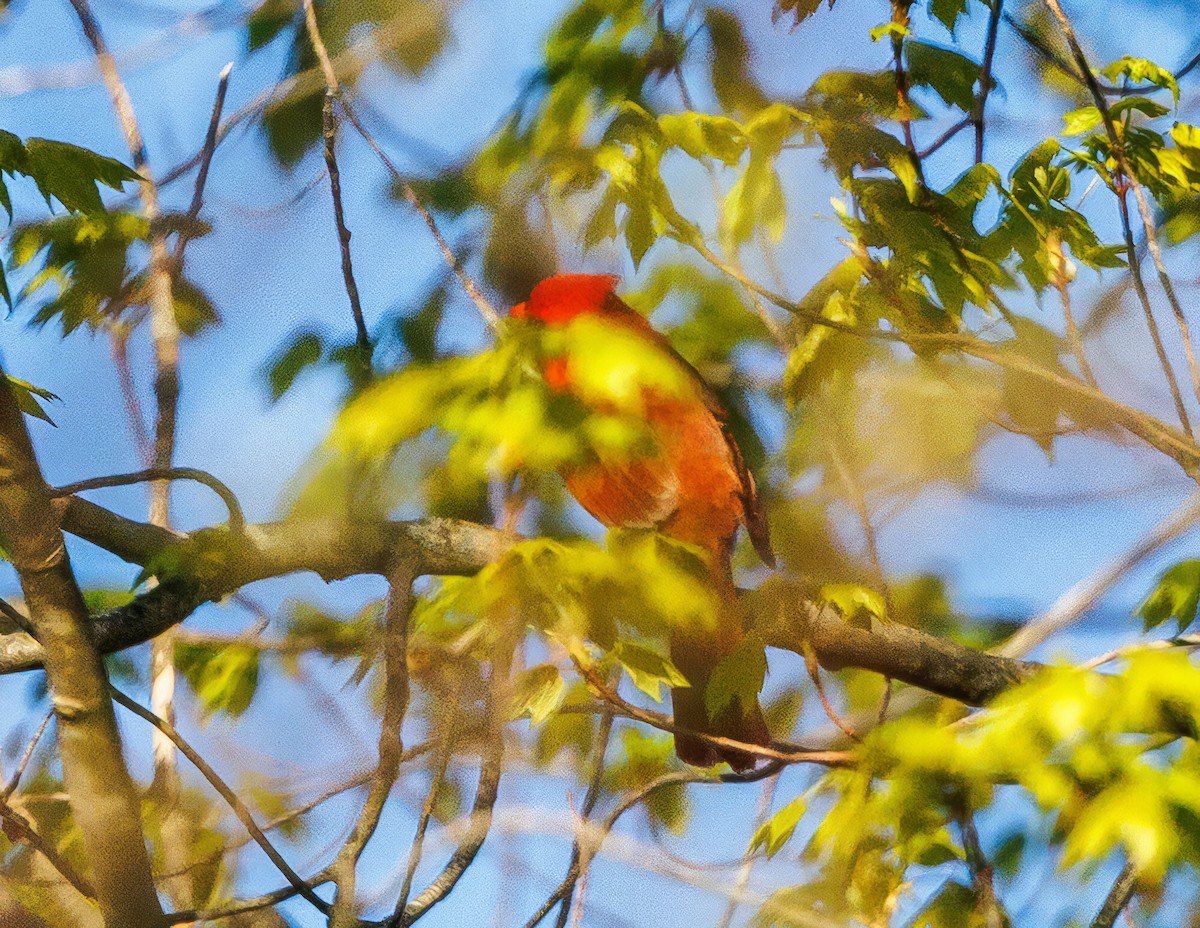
(755, 201)
(701, 135)
(1082, 120)
(1150, 108)
(538, 693)
(13, 157)
(305, 350)
(801, 9)
(951, 908)
(951, 74)
(853, 600)
(30, 398)
(738, 678)
(1176, 596)
(777, 831)
(890, 29)
(731, 72)
(69, 174)
(947, 12)
(648, 669)
(1141, 71)
(223, 678)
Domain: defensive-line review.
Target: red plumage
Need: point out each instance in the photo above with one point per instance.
(695, 488)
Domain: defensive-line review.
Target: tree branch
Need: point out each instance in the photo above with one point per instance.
(104, 801)
(239, 808)
(1118, 898)
(479, 823)
(391, 747)
(335, 549)
(1117, 144)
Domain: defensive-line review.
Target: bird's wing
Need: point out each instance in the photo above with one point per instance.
(754, 515)
(635, 493)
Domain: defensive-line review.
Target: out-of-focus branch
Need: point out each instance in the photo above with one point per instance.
(165, 340)
(578, 865)
(1076, 601)
(20, 830)
(1118, 898)
(391, 747)
(436, 782)
(597, 833)
(104, 802)
(479, 823)
(1152, 431)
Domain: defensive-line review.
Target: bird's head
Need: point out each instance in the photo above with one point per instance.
(557, 300)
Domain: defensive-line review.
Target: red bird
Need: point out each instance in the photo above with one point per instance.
(694, 487)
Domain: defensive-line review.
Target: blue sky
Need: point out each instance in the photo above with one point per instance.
(272, 268)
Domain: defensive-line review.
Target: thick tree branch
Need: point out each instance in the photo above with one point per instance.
(447, 547)
(104, 801)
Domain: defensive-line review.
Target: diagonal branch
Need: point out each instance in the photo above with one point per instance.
(1118, 897)
(239, 808)
(14, 824)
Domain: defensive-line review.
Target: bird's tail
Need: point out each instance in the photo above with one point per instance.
(697, 654)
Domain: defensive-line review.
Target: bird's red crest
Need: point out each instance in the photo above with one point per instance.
(560, 299)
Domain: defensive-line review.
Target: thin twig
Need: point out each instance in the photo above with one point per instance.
(479, 823)
(240, 906)
(119, 340)
(578, 864)
(1061, 275)
(391, 746)
(602, 830)
(1176, 445)
(239, 808)
(334, 88)
(15, 781)
(762, 811)
(206, 155)
(1076, 601)
(14, 615)
(1118, 898)
(486, 309)
(946, 136)
(814, 674)
(981, 874)
(237, 519)
(663, 723)
(329, 131)
(904, 107)
(858, 499)
(435, 785)
(15, 824)
(978, 115)
(1117, 145)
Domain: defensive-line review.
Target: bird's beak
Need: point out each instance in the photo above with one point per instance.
(520, 311)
